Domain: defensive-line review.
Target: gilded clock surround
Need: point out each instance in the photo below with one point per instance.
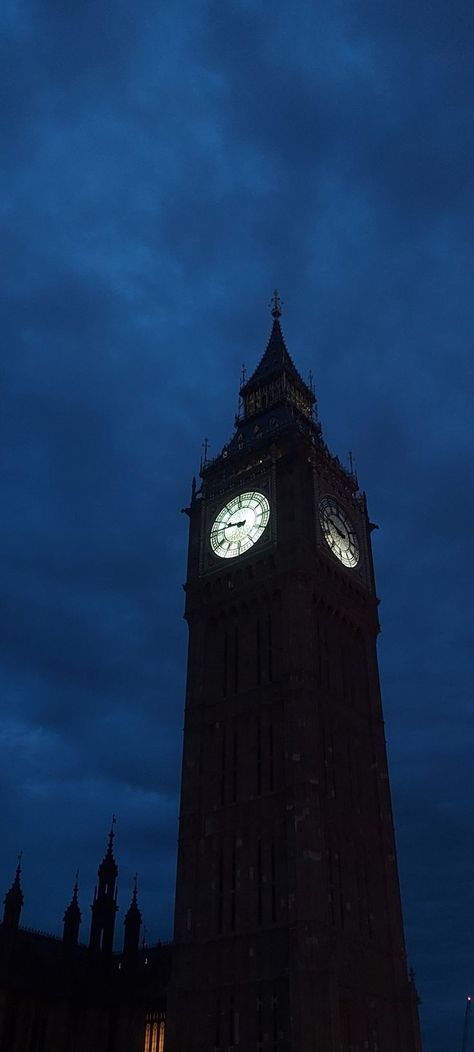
(239, 524)
(339, 532)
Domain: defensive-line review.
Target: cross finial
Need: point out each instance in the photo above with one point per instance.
(276, 304)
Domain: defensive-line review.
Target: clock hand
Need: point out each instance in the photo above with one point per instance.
(341, 534)
(226, 527)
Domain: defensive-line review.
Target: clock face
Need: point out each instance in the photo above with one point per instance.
(339, 532)
(239, 524)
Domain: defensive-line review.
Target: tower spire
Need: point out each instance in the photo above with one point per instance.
(132, 925)
(104, 906)
(72, 917)
(14, 899)
(111, 835)
(276, 380)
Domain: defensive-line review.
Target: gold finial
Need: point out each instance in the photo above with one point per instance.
(276, 304)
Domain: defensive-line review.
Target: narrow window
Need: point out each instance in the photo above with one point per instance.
(259, 654)
(225, 663)
(370, 926)
(161, 1039)
(147, 1038)
(365, 673)
(217, 1032)
(154, 1038)
(259, 757)
(273, 879)
(331, 886)
(220, 899)
(259, 1022)
(259, 882)
(341, 891)
(343, 672)
(275, 1020)
(236, 659)
(350, 772)
(324, 756)
(234, 767)
(271, 779)
(231, 1020)
(270, 648)
(361, 905)
(223, 764)
(318, 651)
(327, 654)
(233, 886)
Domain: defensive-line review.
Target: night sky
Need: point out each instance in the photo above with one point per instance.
(165, 166)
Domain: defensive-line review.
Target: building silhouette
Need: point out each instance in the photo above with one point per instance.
(58, 995)
(288, 925)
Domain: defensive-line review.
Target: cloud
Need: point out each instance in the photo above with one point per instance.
(163, 170)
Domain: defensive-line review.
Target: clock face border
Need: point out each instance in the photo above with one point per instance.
(231, 536)
(259, 480)
(344, 544)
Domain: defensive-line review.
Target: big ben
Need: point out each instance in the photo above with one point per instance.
(288, 924)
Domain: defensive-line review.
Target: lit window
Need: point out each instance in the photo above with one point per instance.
(154, 1032)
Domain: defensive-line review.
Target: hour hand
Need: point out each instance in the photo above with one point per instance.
(336, 527)
(226, 527)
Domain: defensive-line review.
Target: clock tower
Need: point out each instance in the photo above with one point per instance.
(288, 926)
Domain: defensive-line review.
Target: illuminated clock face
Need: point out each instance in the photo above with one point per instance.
(239, 524)
(339, 532)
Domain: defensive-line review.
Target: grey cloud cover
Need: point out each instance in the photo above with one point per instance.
(164, 167)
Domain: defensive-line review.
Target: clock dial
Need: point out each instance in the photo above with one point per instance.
(339, 532)
(239, 524)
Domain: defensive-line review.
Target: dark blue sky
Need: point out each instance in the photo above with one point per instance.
(165, 165)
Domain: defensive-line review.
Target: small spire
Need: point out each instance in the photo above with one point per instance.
(276, 304)
(108, 864)
(110, 846)
(16, 882)
(132, 924)
(14, 899)
(72, 917)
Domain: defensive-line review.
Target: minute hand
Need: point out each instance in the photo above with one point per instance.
(340, 532)
(227, 526)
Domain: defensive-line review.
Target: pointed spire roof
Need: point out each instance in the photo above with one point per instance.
(276, 359)
(73, 909)
(72, 918)
(133, 912)
(14, 898)
(108, 866)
